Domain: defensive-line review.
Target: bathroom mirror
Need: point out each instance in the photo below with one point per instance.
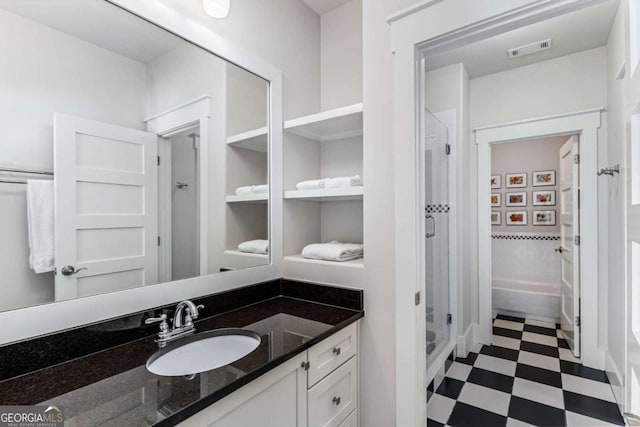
(130, 156)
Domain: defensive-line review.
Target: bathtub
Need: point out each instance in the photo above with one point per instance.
(532, 300)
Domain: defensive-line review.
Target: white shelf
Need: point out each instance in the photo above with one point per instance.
(354, 263)
(330, 194)
(248, 198)
(344, 122)
(236, 259)
(256, 140)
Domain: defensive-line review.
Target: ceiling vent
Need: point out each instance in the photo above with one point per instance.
(529, 49)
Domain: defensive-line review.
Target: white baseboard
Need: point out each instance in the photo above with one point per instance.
(615, 379)
(464, 342)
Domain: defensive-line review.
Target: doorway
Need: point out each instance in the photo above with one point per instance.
(534, 218)
(578, 303)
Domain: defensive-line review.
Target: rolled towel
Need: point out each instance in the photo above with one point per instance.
(313, 184)
(333, 251)
(260, 189)
(254, 246)
(243, 191)
(343, 182)
(40, 224)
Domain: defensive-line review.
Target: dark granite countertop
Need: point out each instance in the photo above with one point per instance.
(112, 386)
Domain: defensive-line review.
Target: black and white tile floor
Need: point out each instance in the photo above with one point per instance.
(527, 377)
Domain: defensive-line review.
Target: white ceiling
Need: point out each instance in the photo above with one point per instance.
(574, 32)
(99, 23)
(323, 6)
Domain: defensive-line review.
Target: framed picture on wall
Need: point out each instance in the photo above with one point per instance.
(544, 198)
(544, 217)
(496, 218)
(516, 218)
(516, 180)
(496, 181)
(544, 178)
(516, 199)
(496, 200)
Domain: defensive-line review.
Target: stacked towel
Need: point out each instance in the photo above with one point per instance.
(313, 184)
(343, 182)
(339, 182)
(40, 222)
(254, 246)
(252, 189)
(333, 251)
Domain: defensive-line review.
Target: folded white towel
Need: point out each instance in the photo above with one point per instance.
(312, 184)
(333, 251)
(41, 225)
(260, 189)
(243, 191)
(343, 182)
(254, 246)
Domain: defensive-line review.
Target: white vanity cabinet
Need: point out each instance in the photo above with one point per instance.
(317, 388)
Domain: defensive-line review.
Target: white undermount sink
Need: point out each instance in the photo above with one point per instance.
(203, 352)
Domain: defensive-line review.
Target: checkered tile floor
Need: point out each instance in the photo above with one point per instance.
(528, 377)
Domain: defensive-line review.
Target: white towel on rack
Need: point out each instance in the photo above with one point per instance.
(260, 189)
(254, 246)
(333, 251)
(243, 191)
(41, 225)
(343, 182)
(312, 184)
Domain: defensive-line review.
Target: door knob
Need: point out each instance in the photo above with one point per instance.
(68, 270)
(559, 249)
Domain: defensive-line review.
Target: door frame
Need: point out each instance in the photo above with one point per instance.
(192, 114)
(586, 125)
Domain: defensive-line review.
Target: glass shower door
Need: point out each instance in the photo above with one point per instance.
(436, 217)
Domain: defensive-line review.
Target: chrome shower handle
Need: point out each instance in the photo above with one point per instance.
(429, 235)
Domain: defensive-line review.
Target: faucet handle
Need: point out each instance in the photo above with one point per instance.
(164, 325)
(189, 316)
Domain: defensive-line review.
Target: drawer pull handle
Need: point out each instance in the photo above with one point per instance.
(336, 400)
(336, 351)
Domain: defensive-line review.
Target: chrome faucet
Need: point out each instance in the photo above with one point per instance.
(182, 325)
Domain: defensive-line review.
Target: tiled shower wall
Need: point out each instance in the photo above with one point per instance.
(526, 256)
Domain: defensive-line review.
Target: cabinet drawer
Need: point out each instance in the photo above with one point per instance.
(334, 398)
(351, 421)
(327, 355)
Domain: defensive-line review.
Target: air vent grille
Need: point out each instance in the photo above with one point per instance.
(529, 49)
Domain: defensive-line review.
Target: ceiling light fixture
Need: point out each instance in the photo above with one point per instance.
(216, 8)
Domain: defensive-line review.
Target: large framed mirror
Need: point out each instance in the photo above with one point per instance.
(136, 152)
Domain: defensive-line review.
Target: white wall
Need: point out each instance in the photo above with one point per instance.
(56, 73)
(285, 33)
(615, 198)
(341, 56)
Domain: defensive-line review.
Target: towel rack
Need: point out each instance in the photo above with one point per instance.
(24, 171)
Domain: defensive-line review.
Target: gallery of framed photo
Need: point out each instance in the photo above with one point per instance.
(544, 217)
(543, 178)
(518, 199)
(516, 218)
(516, 180)
(496, 182)
(496, 218)
(496, 200)
(544, 198)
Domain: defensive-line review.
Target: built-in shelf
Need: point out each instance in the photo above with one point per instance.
(326, 194)
(248, 198)
(341, 123)
(355, 263)
(256, 140)
(235, 259)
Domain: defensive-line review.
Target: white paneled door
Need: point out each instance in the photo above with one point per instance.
(569, 243)
(106, 209)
